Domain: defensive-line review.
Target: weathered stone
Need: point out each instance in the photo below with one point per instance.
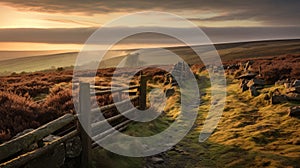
(50, 138)
(248, 76)
(294, 111)
(296, 83)
(73, 147)
(157, 160)
(293, 96)
(170, 92)
(276, 99)
(53, 158)
(253, 91)
(22, 143)
(256, 82)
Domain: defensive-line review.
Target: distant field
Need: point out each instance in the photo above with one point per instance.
(227, 51)
(36, 63)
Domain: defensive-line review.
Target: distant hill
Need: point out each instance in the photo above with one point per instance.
(5, 55)
(36, 63)
(227, 51)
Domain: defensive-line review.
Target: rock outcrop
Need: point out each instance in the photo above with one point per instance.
(294, 111)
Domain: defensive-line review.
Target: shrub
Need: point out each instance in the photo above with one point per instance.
(57, 103)
(17, 113)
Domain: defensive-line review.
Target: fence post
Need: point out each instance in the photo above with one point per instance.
(143, 92)
(85, 108)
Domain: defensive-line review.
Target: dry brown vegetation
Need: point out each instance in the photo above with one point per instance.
(30, 100)
(251, 133)
(273, 68)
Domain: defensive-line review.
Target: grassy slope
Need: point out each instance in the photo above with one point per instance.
(230, 51)
(37, 63)
(227, 51)
(251, 133)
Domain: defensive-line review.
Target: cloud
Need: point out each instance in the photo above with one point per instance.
(72, 21)
(269, 12)
(54, 36)
(80, 35)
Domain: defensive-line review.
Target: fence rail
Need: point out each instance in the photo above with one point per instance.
(102, 92)
(12, 152)
(110, 106)
(23, 159)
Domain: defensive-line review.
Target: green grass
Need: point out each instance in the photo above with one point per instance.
(251, 133)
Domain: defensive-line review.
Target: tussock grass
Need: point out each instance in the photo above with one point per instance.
(251, 133)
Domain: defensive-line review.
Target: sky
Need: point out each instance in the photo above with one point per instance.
(66, 24)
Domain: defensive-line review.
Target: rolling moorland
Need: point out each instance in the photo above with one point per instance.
(227, 51)
(260, 125)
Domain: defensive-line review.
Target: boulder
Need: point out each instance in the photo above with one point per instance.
(253, 91)
(294, 111)
(256, 82)
(276, 99)
(296, 83)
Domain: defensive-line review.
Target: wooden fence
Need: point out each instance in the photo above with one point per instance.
(17, 152)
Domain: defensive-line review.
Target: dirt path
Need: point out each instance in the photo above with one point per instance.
(251, 133)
